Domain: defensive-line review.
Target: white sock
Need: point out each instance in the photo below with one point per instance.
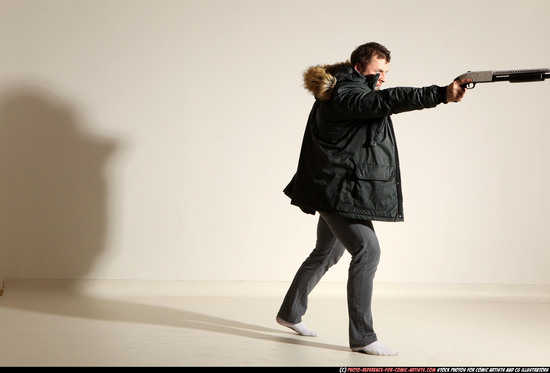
(376, 348)
(299, 328)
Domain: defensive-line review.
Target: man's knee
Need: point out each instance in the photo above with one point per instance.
(367, 252)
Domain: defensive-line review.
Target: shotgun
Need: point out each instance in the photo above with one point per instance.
(512, 76)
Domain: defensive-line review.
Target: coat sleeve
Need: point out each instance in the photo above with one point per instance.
(361, 102)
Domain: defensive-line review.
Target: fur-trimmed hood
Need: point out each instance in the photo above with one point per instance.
(320, 81)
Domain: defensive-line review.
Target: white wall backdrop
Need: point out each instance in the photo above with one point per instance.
(151, 139)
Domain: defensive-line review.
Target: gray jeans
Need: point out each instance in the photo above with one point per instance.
(334, 235)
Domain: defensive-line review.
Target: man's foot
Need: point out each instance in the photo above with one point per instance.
(376, 348)
(299, 328)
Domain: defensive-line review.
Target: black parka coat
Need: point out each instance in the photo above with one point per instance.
(348, 162)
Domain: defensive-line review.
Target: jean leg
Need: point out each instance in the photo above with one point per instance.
(328, 251)
(360, 240)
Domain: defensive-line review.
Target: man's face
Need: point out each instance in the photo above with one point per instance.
(376, 65)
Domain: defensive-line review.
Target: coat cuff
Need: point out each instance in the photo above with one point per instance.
(442, 95)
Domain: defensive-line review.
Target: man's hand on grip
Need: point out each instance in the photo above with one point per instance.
(456, 91)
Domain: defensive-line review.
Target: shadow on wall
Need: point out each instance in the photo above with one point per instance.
(53, 191)
(54, 220)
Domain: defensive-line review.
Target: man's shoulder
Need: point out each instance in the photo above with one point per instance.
(347, 87)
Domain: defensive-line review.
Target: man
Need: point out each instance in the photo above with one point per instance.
(348, 172)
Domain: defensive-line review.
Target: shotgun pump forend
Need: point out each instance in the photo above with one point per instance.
(512, 76)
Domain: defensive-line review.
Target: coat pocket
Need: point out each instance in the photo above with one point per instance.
(373, 190)
(375, 172)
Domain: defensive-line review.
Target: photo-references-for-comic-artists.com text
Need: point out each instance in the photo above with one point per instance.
(446, 370)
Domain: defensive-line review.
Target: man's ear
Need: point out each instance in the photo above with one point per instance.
(359, 68)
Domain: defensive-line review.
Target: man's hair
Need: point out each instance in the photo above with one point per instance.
(364, 54)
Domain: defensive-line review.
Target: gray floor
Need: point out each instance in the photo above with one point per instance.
(57, 323)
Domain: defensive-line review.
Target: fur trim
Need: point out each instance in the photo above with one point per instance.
(319, 80)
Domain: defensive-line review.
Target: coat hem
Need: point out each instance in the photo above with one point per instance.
(349, 215)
